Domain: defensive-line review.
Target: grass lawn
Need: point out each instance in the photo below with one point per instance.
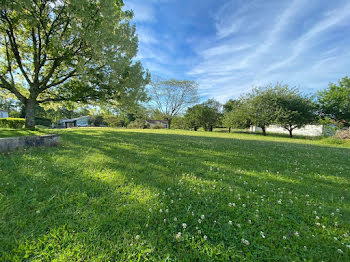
(128, 195)
(8, 132)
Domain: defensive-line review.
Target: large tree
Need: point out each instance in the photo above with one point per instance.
(81, 50)
(171, 97)
(335, 101)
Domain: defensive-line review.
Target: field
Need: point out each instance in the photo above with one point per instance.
(129, 195)
(8, 132)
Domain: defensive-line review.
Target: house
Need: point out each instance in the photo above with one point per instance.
(75, 122)
(153, 123)
(4, 113)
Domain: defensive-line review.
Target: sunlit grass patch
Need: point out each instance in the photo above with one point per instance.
(109, 194)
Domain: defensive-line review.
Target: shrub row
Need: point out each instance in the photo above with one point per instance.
(12, 122)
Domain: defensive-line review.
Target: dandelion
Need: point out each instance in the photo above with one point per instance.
(184, 225)
(245, 242)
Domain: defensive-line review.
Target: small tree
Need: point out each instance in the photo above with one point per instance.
(294, 110)
(261, 107)
(334, 101)
(171, 97)
(205, 115)
(192, 117)
(238, 117)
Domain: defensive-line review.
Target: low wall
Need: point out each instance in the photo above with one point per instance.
(11, 143)
(308, 130)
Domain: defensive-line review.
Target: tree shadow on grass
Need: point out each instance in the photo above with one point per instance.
(94, 192)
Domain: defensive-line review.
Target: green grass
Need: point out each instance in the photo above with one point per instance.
(126, 195)
(8, 132)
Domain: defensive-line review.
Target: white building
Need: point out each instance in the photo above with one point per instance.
(4, 113)
(75, 122)
(308, 130)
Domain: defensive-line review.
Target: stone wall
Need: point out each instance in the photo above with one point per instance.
(8, 144)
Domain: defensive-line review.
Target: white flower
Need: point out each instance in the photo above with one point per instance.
(340, 251)
(296, 233)
(150, 210)
(164, 220)
(146, 225)
(166, 210)
(160, 210)
(335, 238)
(249, 221)
(239, 225)
(317, 217)
(184, 225)
(262, 234)
(199, 221)
(178, 236)
(199, 232)
(230, 204)
(230, 223)
(175, 218)
(245, 242)
(137, 237)
(284, 237)
(202, 216)
(279, 201)
(205, 237)
(38, 211)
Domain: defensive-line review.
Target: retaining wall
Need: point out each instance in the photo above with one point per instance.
(11, 143)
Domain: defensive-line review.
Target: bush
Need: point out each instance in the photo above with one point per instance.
(343, 134)
(12, 122)
(97, 121)
(43, 121)
(157, 126)
(113, 121)
(138, 124)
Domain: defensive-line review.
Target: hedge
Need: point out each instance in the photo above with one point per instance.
(12, 122)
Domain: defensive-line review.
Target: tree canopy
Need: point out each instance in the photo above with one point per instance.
(171, 97)
(79, 50)
(335, 101)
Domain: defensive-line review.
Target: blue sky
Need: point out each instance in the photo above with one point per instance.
(229, 46)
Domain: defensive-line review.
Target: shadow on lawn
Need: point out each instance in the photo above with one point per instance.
(90, 197)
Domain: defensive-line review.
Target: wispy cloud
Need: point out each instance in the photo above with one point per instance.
(287, 43)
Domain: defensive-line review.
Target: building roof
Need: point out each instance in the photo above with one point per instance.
(73, 119)
(157, 121)
(4, 110)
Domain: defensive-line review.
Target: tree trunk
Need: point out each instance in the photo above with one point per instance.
(210, 129)
(229, 129)
(169, 123)
(30, 114)
(195, 128)
(290, 132)
(263, 128)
